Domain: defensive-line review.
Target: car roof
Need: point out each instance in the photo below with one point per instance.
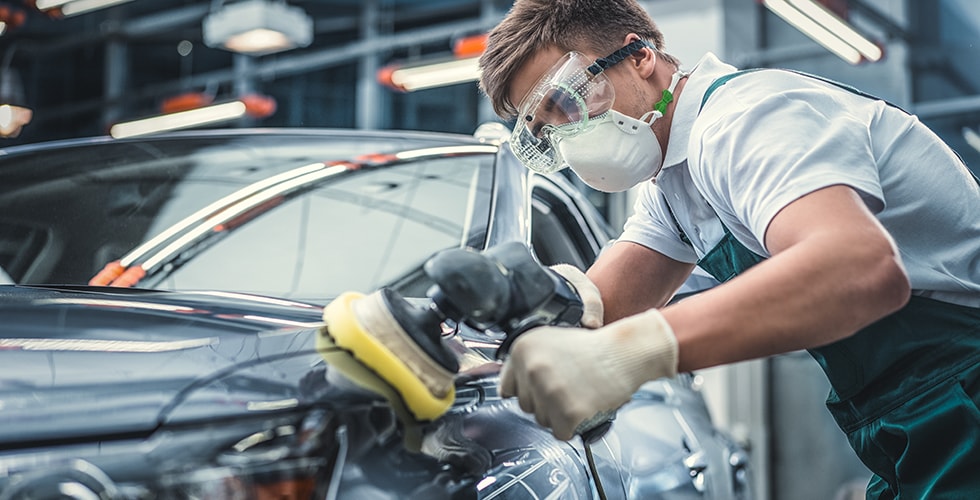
(410, 138)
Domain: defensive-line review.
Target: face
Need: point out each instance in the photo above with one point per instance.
(630, 97)
(561, 94)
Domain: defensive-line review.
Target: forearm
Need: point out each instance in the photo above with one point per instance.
(809, 295)
(633, 279)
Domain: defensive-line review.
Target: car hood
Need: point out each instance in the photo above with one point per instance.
(84, 363)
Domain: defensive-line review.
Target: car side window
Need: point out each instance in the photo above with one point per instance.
(559, 233)
(358, 233)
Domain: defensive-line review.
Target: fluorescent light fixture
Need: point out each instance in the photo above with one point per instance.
(183, 119)
(972, 138)
(74, 7)
(13, 114)
(83, 6)
(436, 74)
(826, 28)
(49, 4)
(258, 27)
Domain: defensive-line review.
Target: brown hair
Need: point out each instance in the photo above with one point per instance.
(599, 26)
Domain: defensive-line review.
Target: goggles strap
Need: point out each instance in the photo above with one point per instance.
(604, 62)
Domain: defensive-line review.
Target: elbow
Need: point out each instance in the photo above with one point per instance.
(891, 284)
(902, 291)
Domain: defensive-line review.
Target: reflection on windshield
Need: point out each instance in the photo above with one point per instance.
(283, 226)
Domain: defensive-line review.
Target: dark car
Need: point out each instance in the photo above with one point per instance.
(158, 332)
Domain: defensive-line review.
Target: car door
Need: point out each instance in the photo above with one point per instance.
(565, 227)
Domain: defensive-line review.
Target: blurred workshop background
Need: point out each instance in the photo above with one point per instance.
(78, 68)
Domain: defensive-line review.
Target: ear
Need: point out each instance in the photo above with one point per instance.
(645, 61)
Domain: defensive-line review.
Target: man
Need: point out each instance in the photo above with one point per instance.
(835, 222)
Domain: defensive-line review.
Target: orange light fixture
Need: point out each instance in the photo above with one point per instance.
(13, 119)
(10, 17)
(470, 46)
(185, 102)
(13, 114)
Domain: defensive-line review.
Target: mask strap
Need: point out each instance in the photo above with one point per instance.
(668, 96)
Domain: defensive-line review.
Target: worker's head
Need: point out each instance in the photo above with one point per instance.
(588, 26)
(564, 68)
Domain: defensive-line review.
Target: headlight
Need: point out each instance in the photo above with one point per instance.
(289, 457)
(286, 480)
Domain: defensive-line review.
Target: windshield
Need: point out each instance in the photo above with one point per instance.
(302, 217)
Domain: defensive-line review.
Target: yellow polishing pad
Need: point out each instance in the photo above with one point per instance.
(346, 332)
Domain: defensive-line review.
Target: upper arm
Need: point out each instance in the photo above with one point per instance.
(633, 278)
(836, 213)
(831, 235)
(753, 173)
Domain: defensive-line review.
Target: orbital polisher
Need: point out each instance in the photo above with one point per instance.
(393, 346)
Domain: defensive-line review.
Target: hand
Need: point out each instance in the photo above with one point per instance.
(567, 375)
(587, 291)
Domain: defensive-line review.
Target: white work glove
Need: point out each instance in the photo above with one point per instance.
(565, 376)
(587, 291)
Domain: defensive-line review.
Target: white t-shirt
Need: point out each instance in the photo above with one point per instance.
(767, 138)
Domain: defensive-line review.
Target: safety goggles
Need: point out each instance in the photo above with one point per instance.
(572, 96)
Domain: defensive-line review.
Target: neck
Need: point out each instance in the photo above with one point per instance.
(661, 127)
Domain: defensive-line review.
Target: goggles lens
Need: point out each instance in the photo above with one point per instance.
(563, 103)
(567, 101)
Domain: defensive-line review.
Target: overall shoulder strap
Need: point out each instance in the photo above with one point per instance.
(722, 80)
(715, 85)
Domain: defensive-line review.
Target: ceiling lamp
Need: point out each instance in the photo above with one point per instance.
(10, 17)
(827, 29)
(430, 74)
(68, 8)
(258, 27)
(972, 138)
(462, 67)
(13, 114)
(254, 106)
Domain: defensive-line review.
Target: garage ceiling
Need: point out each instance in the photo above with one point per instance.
(69, 65)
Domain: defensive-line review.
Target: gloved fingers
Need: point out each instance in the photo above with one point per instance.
(526, 401)
(543, 385)
(565, 420)
(511, 386)
(592, 309)
(507, 385)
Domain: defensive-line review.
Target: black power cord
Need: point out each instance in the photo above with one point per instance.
(593, 470)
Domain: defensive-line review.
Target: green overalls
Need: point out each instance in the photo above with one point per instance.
(905, 390)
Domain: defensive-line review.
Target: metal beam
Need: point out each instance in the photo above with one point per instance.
(152, 24)
(286, 65)
(777, 56)
(168, 20)
(947, 107)
(891, 27)
(367, 111)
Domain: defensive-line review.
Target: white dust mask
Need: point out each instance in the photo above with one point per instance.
(618, 151)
